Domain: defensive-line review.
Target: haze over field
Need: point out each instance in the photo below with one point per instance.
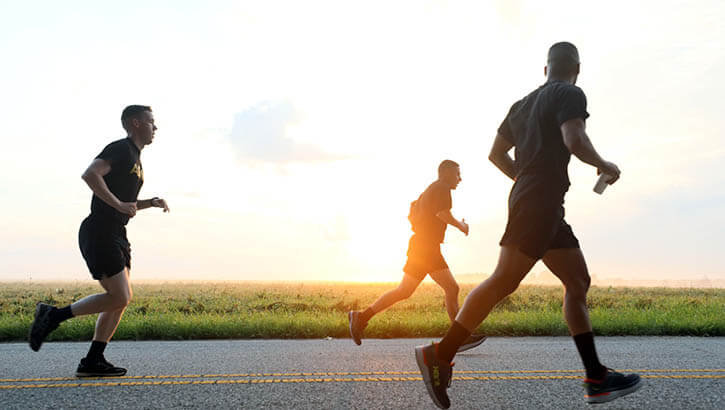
(293, 135)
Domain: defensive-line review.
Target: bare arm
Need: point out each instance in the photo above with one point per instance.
(93, 176)
(500, 156)
(152, 203)
(578, 143)
(448, 218)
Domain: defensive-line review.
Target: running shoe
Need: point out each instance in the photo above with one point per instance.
(436, 374)
(98, 368)
(471, 342)
(356, 326)
(613, 385)
(42, 325)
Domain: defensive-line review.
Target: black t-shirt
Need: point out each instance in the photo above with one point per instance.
(533, 127)
(124, 180)
(436, 198)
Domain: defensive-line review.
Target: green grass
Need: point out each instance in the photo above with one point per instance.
(182, 311)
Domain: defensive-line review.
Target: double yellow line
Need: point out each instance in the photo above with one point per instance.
(331, 377)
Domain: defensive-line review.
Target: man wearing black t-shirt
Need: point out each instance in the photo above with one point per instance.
(429, 215)
(115, 176)
(545, 127)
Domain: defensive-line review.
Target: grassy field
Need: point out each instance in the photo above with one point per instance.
(315, 310)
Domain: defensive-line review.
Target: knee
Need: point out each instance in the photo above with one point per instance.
(122, 299)
(504, 287)
(453, 290)
(508, 289)
(579, 287)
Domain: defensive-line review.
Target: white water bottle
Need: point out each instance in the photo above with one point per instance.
(602, 183)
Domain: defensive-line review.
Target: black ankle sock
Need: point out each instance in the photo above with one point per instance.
(450, 343)
(61, 314)
(366, 315)
(585, 344)
(96, 350)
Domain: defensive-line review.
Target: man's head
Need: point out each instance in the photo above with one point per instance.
(562, 62)
(138, 121)
(450, 173)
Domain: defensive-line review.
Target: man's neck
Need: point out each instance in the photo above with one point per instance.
(136, 141)
(569, 80)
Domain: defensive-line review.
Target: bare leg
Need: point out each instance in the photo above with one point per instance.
(106, 325)
(403, 291)
(118, 295)
(569, 266)
(512, 267)
(445, 280)
(108, 321)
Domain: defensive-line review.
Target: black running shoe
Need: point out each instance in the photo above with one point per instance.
(356, 326)
(436, 374)
(613, 385)
(471, 342)
(42, 325)
(98, 368)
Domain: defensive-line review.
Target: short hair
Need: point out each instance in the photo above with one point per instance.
(446, 165)
(133, 111)
(562, 59)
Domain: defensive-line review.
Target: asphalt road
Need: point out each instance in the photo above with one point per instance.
(502, 373)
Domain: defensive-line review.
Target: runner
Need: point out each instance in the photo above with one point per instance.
(546, 127)
(429, 216)
(115, 176)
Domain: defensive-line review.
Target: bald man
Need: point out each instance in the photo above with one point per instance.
(545, 127)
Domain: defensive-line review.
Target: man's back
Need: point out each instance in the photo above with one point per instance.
(533, 127)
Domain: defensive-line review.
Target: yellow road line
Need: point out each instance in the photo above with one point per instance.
(326, 380)
(307, 374)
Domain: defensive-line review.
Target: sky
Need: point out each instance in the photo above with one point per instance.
(293, 135)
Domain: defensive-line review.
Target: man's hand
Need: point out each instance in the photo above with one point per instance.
(160, 203)
(128, 208)
(611, 169)
(463, 226)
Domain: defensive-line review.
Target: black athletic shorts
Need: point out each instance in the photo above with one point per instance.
(104, 246)
(424, 257)
(536, 225)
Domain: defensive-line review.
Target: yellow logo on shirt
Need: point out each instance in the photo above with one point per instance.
(138, 171)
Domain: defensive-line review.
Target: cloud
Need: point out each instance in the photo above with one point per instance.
(260, 133)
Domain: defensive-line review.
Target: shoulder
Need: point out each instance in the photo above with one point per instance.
(518, 104)
(431, 189)
(438, 188)
(567, 90)
(116, 150)
(118, 145)
(526, 101)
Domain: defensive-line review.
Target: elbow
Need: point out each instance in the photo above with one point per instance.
(575, 140)
(496, 158)
(88, 175)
